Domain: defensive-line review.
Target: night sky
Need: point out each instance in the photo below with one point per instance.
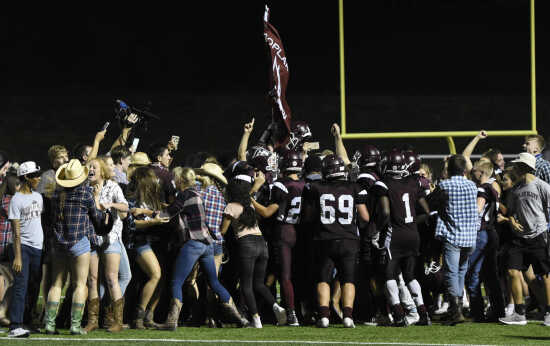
(411, 65)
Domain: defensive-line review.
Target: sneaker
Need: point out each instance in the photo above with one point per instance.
(371, 322)
(412, 317)
(291, 318)
(280, 314)
(18, 333)
(546, 320)
(443, 309)
(256, 322)
(323, 322)
(509, 310)
(515, 319)
(348, 323)
(424, 319)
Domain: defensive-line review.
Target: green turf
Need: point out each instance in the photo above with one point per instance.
(467, 333)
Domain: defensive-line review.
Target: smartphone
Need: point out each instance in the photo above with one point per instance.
(105, 126)
(311, 146)
(134, 146)
(175, 140)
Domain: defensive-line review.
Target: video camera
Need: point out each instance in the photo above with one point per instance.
(123, 111)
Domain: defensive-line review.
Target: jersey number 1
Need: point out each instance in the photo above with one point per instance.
(408, 217)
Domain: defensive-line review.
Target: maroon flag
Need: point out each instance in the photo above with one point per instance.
(278, 81)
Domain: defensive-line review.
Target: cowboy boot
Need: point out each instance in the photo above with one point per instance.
(148, 320)
(233, 315)
(138, 321)
(108, 316)
(93, 313)
(51, 314)
(76, 319)
(118, 311)
(173, 316)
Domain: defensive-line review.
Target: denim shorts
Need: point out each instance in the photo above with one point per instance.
(80, 248)
(142, 248)
(113, 248)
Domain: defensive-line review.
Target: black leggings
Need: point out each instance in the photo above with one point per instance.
(253, 263)
(284, 245)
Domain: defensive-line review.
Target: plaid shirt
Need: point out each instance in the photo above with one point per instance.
(5, 226)
(214, 205)
(542, 170)
(76, 219)
(189, 204)
(461, 215)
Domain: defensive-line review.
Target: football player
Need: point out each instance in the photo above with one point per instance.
(285, 204)
(398, 193)
(332, 204)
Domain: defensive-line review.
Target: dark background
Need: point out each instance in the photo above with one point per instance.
(412, 65)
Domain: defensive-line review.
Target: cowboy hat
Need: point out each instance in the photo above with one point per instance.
(528, 159)
(71, 174)
(213, 170)
(139, 159)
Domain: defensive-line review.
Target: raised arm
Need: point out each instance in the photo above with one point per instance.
(339, 144)
(241, 151)
(123, 138)
(97, 141)
(467, 152)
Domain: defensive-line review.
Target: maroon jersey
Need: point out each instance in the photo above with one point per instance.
(287, 193)
(330, 206)
(489, 213)
(403, 194)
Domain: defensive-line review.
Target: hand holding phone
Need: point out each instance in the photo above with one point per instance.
(175, 141)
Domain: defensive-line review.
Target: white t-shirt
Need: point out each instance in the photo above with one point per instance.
(28, 208)
(112, 193)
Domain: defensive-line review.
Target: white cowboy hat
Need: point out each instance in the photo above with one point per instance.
(528, 159)
(212, 170)
(27, 167)
(71, 174)
(139, 159)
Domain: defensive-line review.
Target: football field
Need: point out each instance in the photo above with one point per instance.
(465, 334)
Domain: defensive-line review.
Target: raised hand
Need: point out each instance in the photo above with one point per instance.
(248, 127)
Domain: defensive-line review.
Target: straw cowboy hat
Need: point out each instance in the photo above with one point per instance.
(71, 174)
(213, 170)
(139, 159)
(527, 159)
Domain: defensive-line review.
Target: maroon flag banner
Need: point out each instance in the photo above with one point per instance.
(278, 76)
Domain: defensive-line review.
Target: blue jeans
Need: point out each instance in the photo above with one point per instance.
(31, 268)
(477, 257)
(189, 253)
(455, 265)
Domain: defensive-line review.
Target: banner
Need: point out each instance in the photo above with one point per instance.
(278, 81)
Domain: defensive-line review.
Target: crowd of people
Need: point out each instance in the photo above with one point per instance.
(282, 234)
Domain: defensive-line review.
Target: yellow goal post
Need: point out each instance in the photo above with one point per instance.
(434, 134)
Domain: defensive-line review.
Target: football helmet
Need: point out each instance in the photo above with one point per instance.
(291, 162)
(413, 161)
(370, 156)
(333, 167)
(396, 163)
(261, 158)
(299, 133)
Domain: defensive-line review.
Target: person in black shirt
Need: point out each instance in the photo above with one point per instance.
(285, 204)
(332, 205)
(487, 202)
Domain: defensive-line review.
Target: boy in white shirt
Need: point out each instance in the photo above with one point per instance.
(25, 214)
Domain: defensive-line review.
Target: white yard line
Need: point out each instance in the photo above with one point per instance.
(242, 341)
